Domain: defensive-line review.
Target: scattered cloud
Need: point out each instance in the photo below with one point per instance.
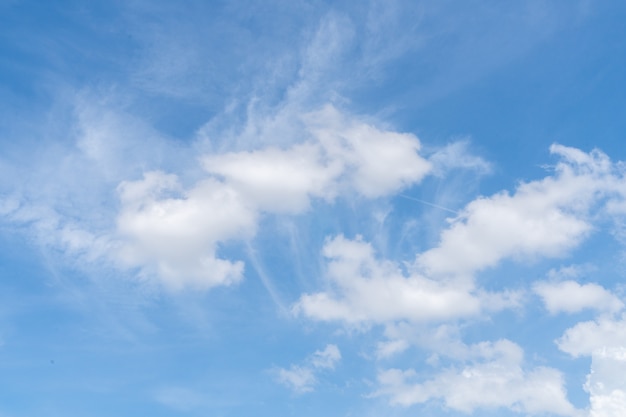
(303, 378)
(297, 378)
(606, 384)
(174, 233)
(495, 379)
(572, 297)
(543, 218)
(367, 289)
(175, 238)
(327, 358)
(587, 337)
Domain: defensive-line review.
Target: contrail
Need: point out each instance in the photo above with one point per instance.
(265, 279)
(428, 204)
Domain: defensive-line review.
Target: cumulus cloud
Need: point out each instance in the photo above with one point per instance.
(303, 378)
(278, 180)
(343, 154)
(495, 379)
(174, 232)
(571, 297)
(604, 340)
(545, 218)
(368, 289)
(585, 338)
(378, 163)
(606, 383)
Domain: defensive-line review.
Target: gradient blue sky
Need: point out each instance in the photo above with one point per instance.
(298, 208)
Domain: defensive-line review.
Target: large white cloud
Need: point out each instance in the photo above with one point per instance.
(378, 163)
(495, 379)
(606, 383)
(366, 288)
(585, 338)
(174, 232)
(543, 218)
(604, 340)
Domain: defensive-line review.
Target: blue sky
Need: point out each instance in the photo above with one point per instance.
(312, 208)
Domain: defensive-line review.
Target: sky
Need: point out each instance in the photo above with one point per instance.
(309, 208)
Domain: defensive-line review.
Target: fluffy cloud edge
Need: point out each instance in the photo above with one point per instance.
(571, 297)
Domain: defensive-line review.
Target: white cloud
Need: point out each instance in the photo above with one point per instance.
(378, 162)
(571, 297)
(367, 289)
(66, 201)
(496, 379)
(606, 383)
(604, 340)
(297, 378)
(303, 378)
(342, 154)
(542, 218)
(174, 233)
(443, 339)
(327, 358)
(585, 338)
(177, 236)
(278, 180)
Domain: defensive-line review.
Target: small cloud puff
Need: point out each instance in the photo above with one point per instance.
(572, 297)
(303, 378)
